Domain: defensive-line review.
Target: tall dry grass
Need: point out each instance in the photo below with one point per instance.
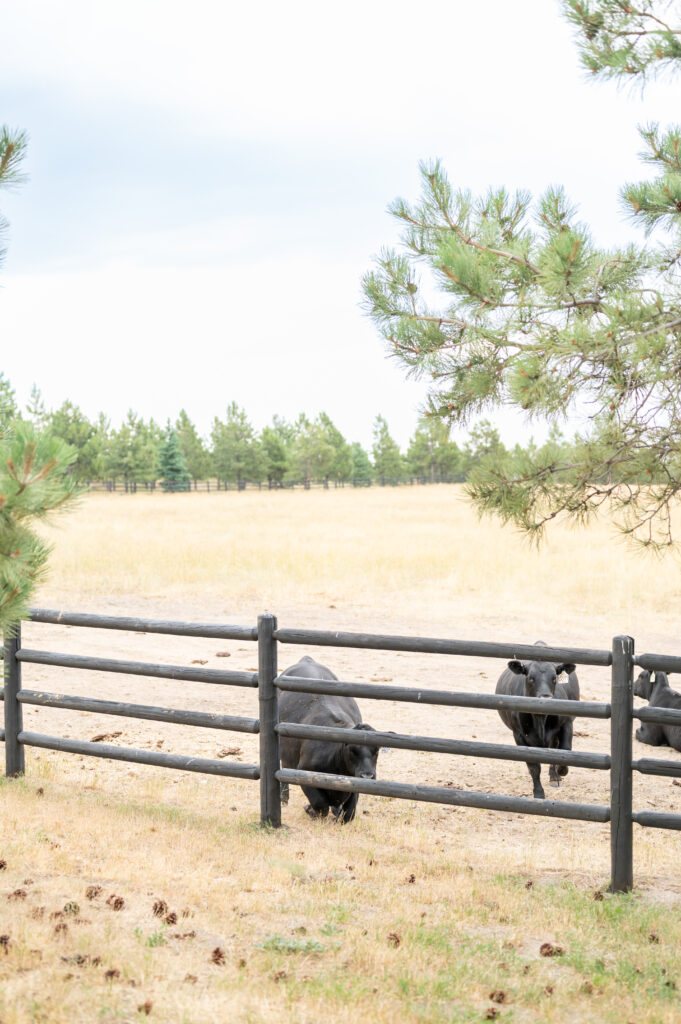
(415, 551)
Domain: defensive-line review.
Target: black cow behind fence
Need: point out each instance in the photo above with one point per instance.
(269, 684)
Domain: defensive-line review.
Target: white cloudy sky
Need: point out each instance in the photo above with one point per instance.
(209, 181)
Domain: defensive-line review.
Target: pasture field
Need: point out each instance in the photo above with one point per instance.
(130, 891)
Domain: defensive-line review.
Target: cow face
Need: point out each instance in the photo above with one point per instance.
(360, 760)
(540, 676)
(643, 685)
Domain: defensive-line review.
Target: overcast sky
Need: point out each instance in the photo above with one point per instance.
(209, 182)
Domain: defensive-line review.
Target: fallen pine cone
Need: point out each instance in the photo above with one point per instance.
(548, 949)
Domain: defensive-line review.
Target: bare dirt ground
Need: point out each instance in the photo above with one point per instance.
(513, 837)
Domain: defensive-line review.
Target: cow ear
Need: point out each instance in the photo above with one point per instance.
(518, 668)
(567, 667)
(363, 725)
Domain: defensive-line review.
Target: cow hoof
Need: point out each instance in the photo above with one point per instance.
(555, 783)
(309, 809)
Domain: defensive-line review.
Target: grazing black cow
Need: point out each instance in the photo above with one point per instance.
(355, 759)
(539, 679)
(659, 694)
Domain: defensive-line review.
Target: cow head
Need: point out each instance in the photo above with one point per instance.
(360, 759)
(643, 684)
(540, 676)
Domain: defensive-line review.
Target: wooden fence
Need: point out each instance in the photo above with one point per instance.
(120, 486)
(621, 659)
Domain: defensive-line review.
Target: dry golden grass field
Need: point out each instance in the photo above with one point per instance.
(129, 892)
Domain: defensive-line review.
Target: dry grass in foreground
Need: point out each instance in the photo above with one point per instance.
(178, 906)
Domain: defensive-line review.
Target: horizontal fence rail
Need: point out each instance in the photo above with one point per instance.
(428, 645)
(204, 719)
(153, 757)
(659, 716)
(206, 630)
(620, 659)
(448, 698)
(658, 662)
(139, 668)
(654, 766)
(467, 748)
(657, 819)
(440, 795)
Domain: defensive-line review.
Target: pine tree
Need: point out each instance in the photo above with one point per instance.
(275, 455)
(618, 39)
(237, 455)
(312, 453)
(73, 427)
(431, 453)
(388, 461)
(8, 404)
(35, 408)
(34, 479)
(362, 470)
(196, 454)
(171, 461)
(340, 467)
(134, 449)
(533, 315)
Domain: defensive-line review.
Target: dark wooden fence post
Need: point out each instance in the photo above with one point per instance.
(621, 773)
(270, 797)
(14, 751)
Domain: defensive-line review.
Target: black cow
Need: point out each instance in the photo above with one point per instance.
(659, 694)
(354, 759)
(539, 679)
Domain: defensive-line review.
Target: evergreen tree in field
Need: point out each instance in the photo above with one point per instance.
(431, 453)
(362, 470)
(533, 315)
(196, 454)
(340, 467)
(171, 462)
(73, 427)
(484, 444)
(35, 409)
(134, 450)
(275, 455)
(237, 455)
(388, 461)
(34, 478)
(8, 405)
(102, 444)
(312, 453)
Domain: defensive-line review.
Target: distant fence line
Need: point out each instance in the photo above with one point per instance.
(620, 711)
(145, 486)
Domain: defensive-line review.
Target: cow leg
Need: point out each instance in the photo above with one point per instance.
(318, 806)
(565, 744)
(537, 788)
(283, 792)
(533, 769)
(347, 811)
(562, 741)
(652, 734)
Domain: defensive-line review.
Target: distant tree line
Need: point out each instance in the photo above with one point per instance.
(284, 453)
